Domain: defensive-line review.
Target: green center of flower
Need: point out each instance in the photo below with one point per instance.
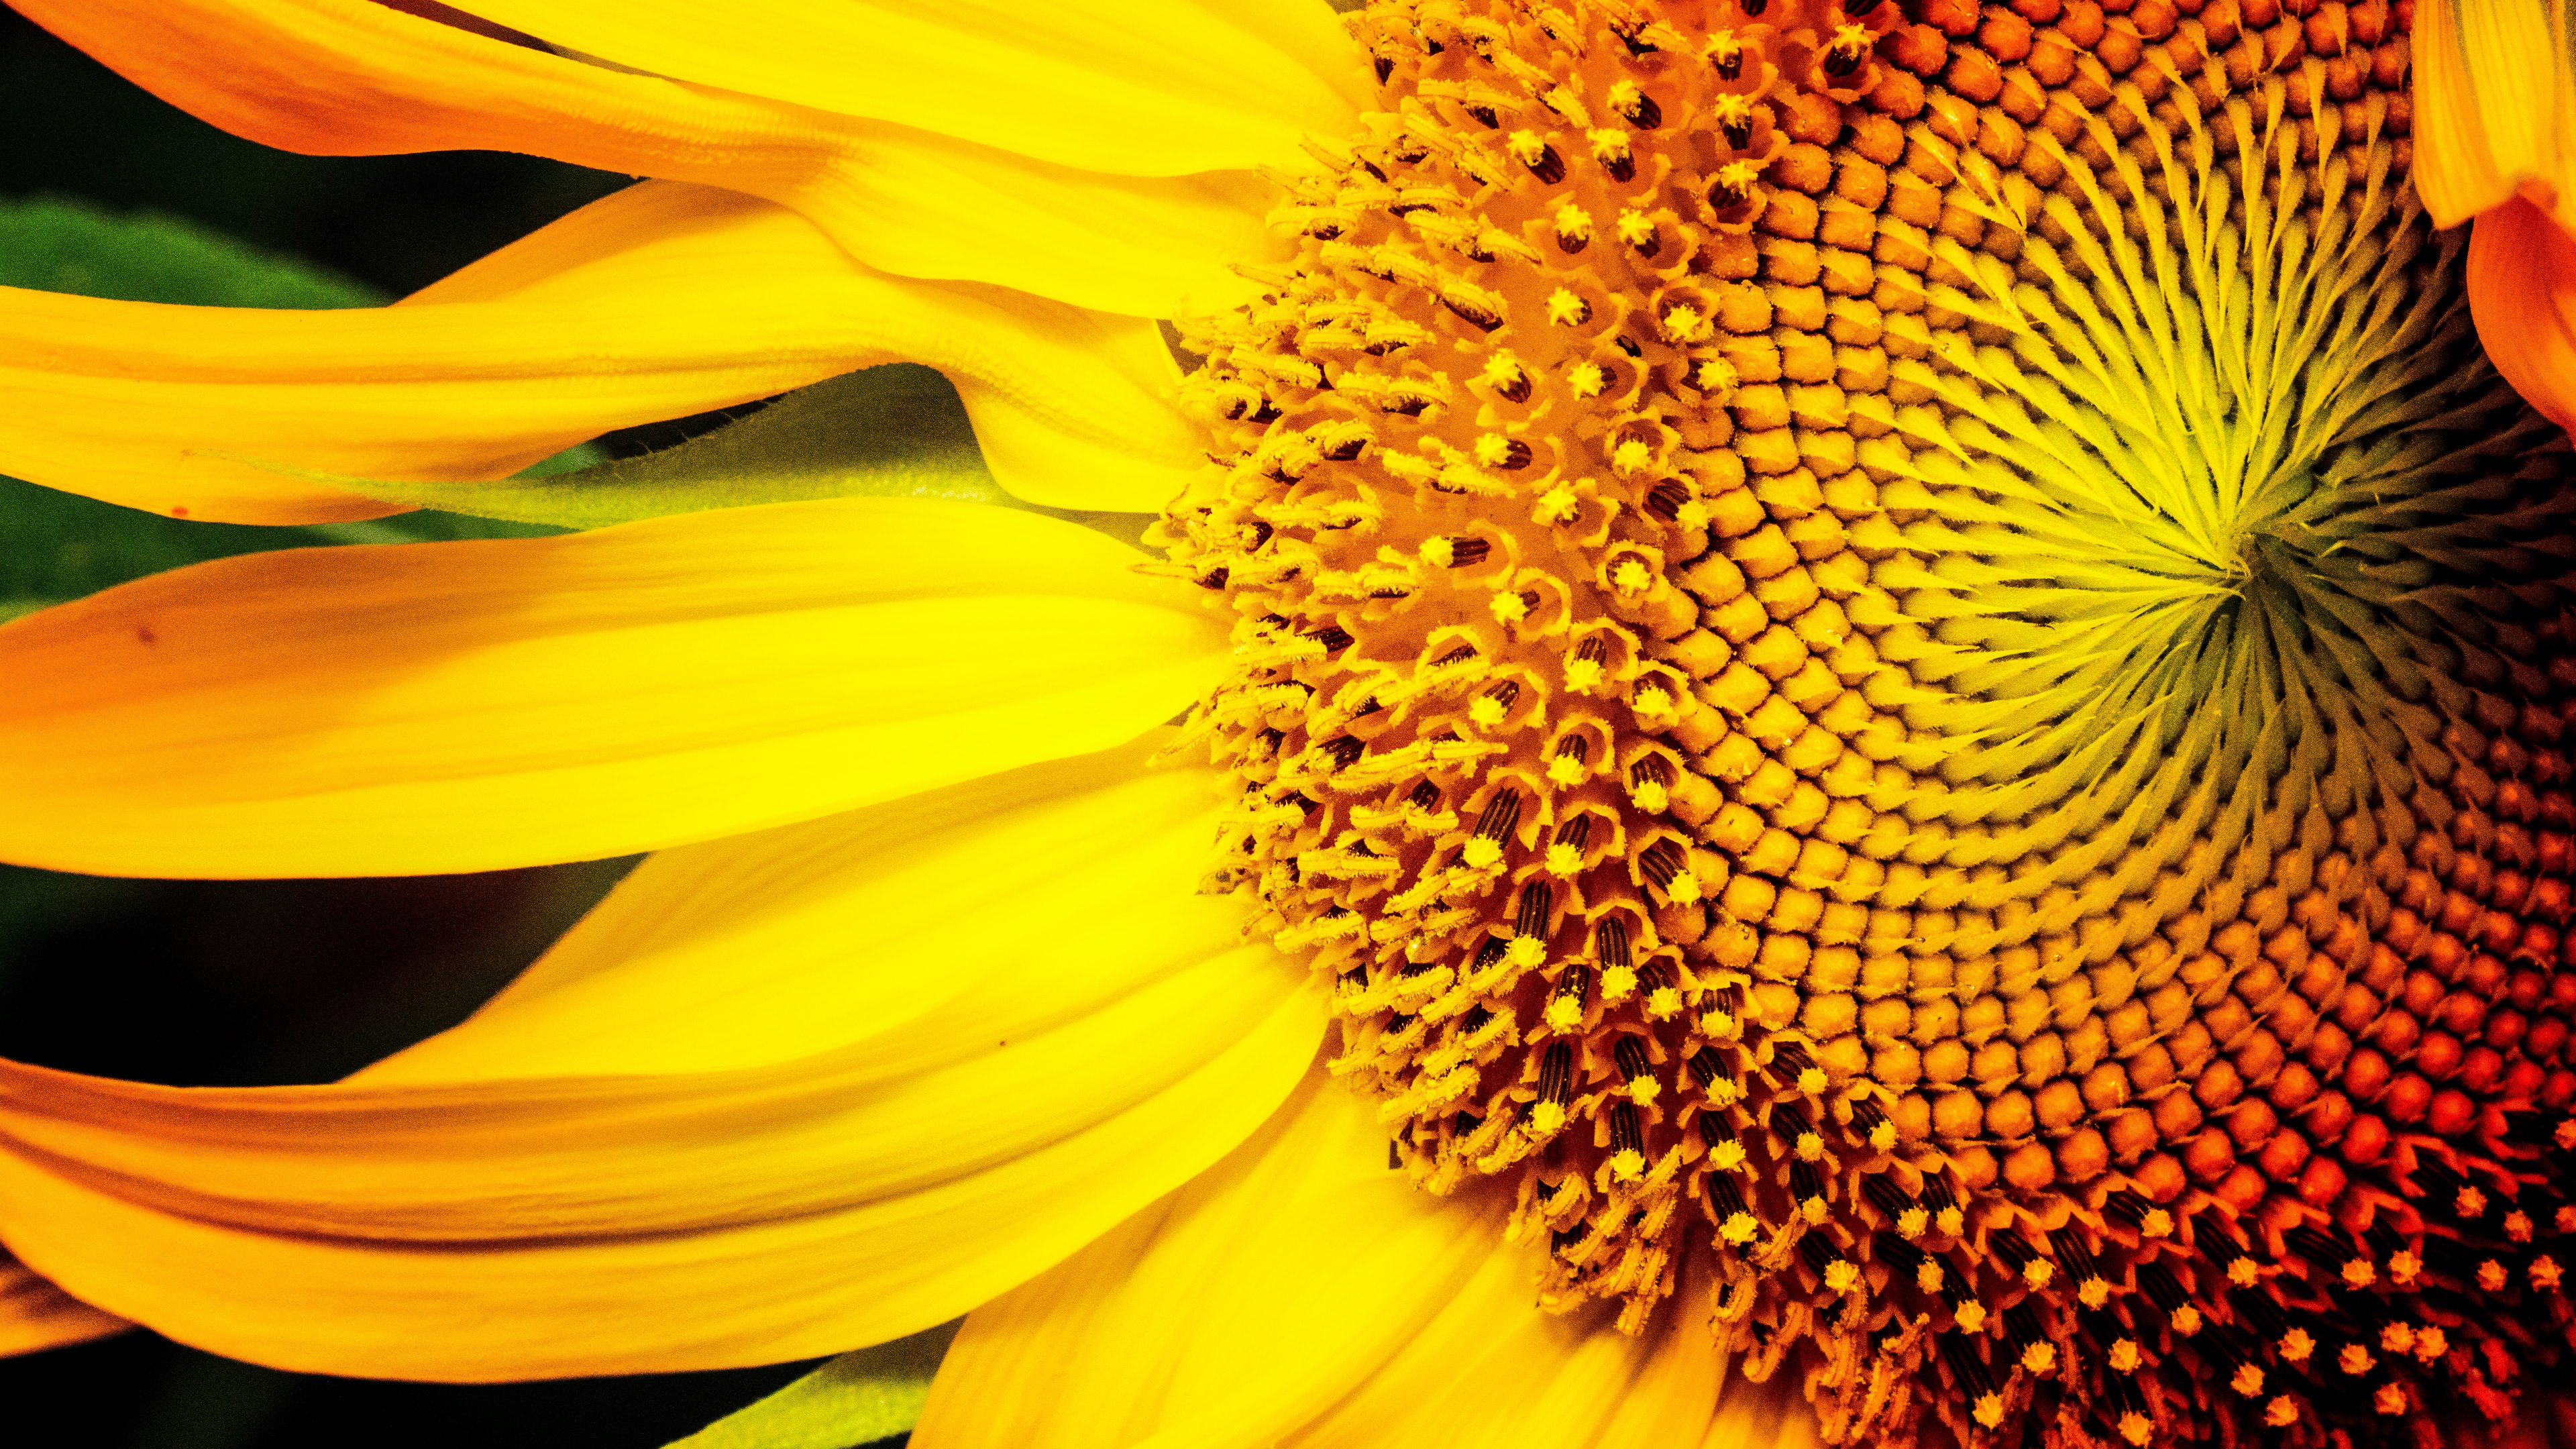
(1904, 657)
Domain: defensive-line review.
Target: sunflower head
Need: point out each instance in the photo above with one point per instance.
(1904, 655)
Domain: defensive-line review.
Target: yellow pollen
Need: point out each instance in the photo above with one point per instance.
(2039, 1358)
(1567, 309)
(2296, 1345)
(1628, 457)
(1990, 1410)
(1562, 858)
(2491, 1276)
(1627, 1165)
(2402, 1267)
(2355, 1360)
(1502, 370)
(2470, 1203)
(1813, 1209)
(1716, 376)
(2545, 1274)
(1438, 551)
(1727, 1156)
(1972, 1317)
(2358, 1273)
(2036, 1273)
(2186, 1320)
(1526, 147)
(1653, 704)
(2135, 1427)
(1573, 223)
(1683, 323)
(1559, 504)
(2397, 1338)
(1635, 227)
(1842, 1275)
(1630, 577)
(2093, 1293)
(1493, 450)
(2282, 1412)
(2248, 1380)
(2157, 1224)
(1509, 607)
(1739, 1229)
(1949, 1222)
(1609, 147)
(1586, 380)
(1485, 711)
(2124, 1356)
(2431, 1343)
(1927, 1275)
(1482, 853)
(1812, 1081)
(1651, 798)
(1525, 951)
(2243, 1273)
(2517, 1226)
(2389, 1400)
(1810, 1147)
(1912, 1223)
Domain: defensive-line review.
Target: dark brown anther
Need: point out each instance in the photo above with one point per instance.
(1556, 1064)
(1465, 551)
(1459, 655)
(1704, 1066)
(1538, 904)
(1850, 46)
(1488, 953)
(1634, 37)
(1610, 941)
(1472, 314)
(1574, 748)
(1345, 751)
(1753, 8)
(1549, 167)
(1858, 8)
(1630, 1055)
(1627, 1130)
(1333, 637)
(1660, 862)
(1485, 116)
(1215, 578)
(1665, 500)
(1645, 115)
(1575, 831)
(1592, 651)
(1516, 454)
(1384, 68)
(1501, 814)
(1728, 192)
(1425, 795)
(1505, 694)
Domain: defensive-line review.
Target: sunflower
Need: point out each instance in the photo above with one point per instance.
(1839, 719)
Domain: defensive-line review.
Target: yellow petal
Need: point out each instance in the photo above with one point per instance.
(1142, 87)
(1302, 1293)
(2522, 292)
(762, 948)
(35, 1315)
(466, 706)
(434, 1218)
(662, 300)
(340, 77)
(2494, 107)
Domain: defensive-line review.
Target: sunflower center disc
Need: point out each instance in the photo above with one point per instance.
(1902, 660)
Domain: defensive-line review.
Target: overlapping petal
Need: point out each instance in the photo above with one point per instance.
(1140, 87)
(2522, 291)
(466, 706)
(35, 1315)
(2494, 107)
(656, 1200)
(1303, 1293)
(662, 300)
(928, 173)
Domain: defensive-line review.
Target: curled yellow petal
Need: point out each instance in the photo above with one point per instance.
(203, 411)
(895, 185)
(35, 1315)
(2495, 107)
(449, 707)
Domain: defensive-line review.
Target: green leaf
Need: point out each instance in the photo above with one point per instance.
(896, 431)
(64, 246)
(858, 1398)
(57, 546)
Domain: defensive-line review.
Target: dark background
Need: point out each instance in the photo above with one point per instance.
(238, 983)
